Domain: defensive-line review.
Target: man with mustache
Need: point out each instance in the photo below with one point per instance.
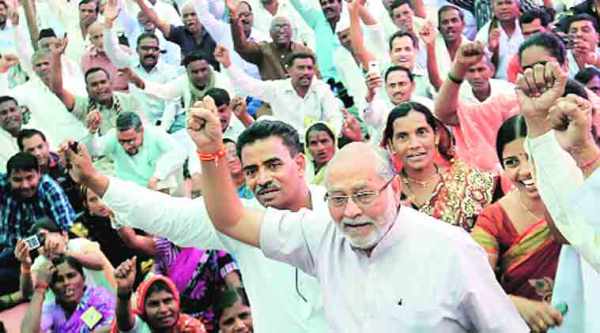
(148, 66)
(267, 10)
(371, 260)
(283, 298)
(96, 56)
(26, 196)
(299, 101)
(191, 36)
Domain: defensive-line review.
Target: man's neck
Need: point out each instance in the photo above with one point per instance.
(14, 133)
(283, 47)
(482, 95)
(453, 47)
(301, 91)
(148, 68)
(509, 26)
(304, 202)
(272, 7)
(84, 27)
(108, 103)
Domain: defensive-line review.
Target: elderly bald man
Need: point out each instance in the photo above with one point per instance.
(379, 265)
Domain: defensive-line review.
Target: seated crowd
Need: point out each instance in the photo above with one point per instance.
(300, 165)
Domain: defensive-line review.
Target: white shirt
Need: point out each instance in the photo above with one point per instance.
(301, 32)
(271, 286)
(48, 113)
(9, 148)
(573, 205)
(221, 34)
(154, 108)
(319, 103)
(572, 63)
(351, 76)
(180, 88)
(507, 47)
(497, 87)
(407, 283)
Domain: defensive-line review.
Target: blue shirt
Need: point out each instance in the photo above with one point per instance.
(325, 38)
(17, 216)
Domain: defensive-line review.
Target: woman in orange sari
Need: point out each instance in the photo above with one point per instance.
(434, 181)
(515, 233)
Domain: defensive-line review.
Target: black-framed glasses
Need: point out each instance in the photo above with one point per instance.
(362, 199)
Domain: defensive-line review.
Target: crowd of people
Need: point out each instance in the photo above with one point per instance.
(300, 165)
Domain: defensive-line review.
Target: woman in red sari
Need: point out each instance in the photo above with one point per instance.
(515, 233)
(434, 181)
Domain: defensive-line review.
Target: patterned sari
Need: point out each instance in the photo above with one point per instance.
(527, 262)
(460, 196)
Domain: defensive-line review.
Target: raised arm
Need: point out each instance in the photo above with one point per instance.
(115, 54)
(248, 50)
(56, 79)
(309, 15)
(30, 17)
(220, 196)
(446, 103)
(132, 240)
(25, 280)
(162, 25)
(32, 321)
(356, 35)
(428, 36)
(217, 29)
(125, 276)
(244, 82)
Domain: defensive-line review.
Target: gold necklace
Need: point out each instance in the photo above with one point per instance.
(407, 180)
(536, 218)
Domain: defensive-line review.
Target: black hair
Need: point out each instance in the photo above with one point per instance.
(84, 2)
(128, 120)
(220, 96)
(403, 33)
(319, 127)
(446, 144)
(398, 3)
(575, 88)
(263, 129)
(227, 298)
(2, 2)
(550, 42)
(94, 70)
(582, 17)
(145, 35)
(46, 33)
(26, 134)
(446, 8)
(397, 68)
(195, 56)
(44, 223)
(71, 261)
(585, 75)
(533, 14)
(299, 55)
(512, 129)
(6, 98)
(22, 162)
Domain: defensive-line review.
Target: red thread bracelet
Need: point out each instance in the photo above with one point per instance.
(591, 162)
(212, 156)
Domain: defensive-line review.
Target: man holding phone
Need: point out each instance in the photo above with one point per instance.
(25, 196)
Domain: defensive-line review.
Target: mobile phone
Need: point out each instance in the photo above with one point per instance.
(563, 308)
(32, 242)
(373, 67)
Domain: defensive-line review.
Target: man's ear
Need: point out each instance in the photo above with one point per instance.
(300, 160)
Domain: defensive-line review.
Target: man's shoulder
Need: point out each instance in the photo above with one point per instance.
(428, 230)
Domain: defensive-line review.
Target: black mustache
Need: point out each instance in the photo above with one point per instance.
(266, 187)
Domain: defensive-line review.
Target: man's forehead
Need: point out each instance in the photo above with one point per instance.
(263, 150)
(21, 173)
(8, 105)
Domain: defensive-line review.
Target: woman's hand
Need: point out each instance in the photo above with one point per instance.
(540, 316)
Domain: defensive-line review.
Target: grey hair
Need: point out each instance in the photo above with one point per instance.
(128, 120)
(385, 165)
(279, 19)
(39, 54)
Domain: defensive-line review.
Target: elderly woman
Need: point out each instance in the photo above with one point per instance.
(434, 181)
(77, 307)
(515, 232)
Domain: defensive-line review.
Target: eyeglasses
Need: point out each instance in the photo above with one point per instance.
(361, 199)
